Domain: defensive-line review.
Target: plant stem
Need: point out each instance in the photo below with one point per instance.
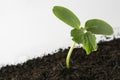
(69, 55)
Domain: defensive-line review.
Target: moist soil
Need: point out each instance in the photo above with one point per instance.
(103, 64)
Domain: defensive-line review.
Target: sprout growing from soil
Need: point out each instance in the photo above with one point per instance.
(82, 35)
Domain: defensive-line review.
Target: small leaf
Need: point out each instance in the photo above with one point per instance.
(89, 42)
(66, 16)
(77, 35)
(97, 26)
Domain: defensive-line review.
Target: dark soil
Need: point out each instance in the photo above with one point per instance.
(103, 64)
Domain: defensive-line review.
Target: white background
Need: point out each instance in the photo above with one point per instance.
(29, 29)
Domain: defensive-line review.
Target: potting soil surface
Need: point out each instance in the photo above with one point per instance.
(103, 64)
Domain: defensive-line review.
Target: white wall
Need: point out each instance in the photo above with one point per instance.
(28, 28)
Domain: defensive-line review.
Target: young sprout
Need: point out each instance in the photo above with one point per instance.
(82, 35)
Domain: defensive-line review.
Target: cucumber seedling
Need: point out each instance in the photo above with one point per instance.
(82, 35)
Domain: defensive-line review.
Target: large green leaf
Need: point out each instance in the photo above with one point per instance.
(89, 42)
(77, 35)
(97, 26)
(66, 16)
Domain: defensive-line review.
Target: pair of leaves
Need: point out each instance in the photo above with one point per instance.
(96, 26)
(88, 40)
(93, 26)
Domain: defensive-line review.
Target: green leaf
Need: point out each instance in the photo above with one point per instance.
(66, 16)
(89, 42)
(77, 35)
(97, 26)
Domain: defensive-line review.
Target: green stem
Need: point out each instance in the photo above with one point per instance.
(69, 55)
